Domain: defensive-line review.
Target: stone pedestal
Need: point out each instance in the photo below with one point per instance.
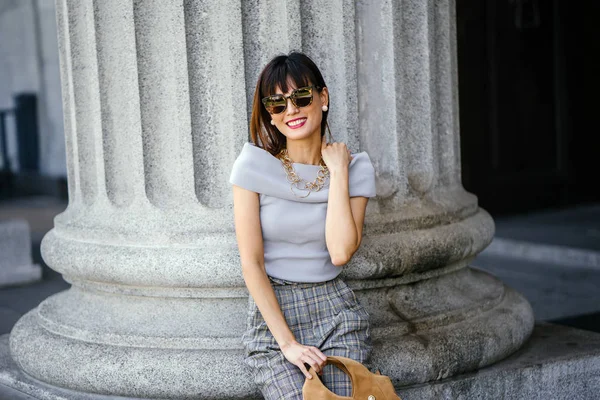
(16, 265)
(154, 118)
(556, 363)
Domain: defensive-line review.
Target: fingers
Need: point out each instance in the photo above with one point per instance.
(314, 361)
(319, 353)
(318, 356)
(324, 144)
(333, 153)
(315, 358)
(303, 369)
(303, 356)
(322, 358)
(311, 362)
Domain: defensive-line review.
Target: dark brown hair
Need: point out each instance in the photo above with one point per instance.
(303, 72)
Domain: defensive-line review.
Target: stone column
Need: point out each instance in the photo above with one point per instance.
(392, 71)
(433, 316)
(155, 98)
(154, 103)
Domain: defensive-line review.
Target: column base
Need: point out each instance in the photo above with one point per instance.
(557, 362)
(444, 326)
(127, 371)
(415, 341)
(422, 331)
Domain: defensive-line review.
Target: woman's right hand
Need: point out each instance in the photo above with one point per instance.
(299, 354)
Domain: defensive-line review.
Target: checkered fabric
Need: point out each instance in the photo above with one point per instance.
(326, 315)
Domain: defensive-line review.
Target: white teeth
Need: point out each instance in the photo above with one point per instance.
(296, 122)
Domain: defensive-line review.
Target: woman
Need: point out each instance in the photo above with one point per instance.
(299, 205)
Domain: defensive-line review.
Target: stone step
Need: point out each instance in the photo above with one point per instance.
(557, 362)
(16, 265)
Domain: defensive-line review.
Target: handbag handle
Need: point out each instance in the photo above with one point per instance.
(370, 385)
(342, 363)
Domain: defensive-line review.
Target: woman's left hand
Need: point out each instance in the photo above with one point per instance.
(335, 155)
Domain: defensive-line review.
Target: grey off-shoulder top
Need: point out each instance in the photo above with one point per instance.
(293, 228)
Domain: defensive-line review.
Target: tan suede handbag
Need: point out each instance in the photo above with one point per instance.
(365, 384)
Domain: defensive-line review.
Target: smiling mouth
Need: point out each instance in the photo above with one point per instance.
(296, 123)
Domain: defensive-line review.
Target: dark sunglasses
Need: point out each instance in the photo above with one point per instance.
(301, 97)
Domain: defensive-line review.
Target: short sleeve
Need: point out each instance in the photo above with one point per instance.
(362, 176)
(246, 171)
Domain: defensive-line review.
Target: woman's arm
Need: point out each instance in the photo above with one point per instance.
(246, 207)
(345, 218)
(345, 215)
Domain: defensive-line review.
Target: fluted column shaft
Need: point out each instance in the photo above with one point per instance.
(155, 115)
(433, 316)
(156, 97)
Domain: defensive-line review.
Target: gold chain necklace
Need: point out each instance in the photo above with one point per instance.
(299, 183)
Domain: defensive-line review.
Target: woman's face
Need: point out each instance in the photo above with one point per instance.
(301, 122)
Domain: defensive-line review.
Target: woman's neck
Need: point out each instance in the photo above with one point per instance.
(306, 151)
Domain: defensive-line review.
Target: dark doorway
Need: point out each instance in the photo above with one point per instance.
(528, 89)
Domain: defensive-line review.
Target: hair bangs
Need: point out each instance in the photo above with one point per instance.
(285, 72)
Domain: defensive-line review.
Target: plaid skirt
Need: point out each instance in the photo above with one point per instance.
(326, 315)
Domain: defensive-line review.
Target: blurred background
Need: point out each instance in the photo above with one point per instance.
(528, 87)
